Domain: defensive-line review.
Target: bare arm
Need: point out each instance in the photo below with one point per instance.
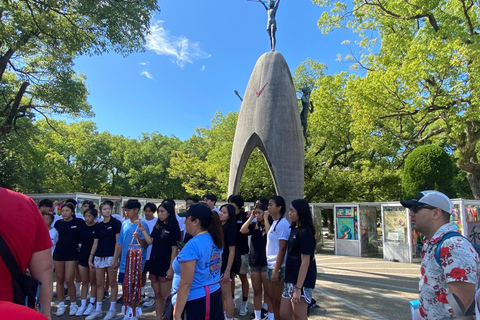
(282, 248)
(276, 6)
(169, 274)
(148, 238)
(464, 291)
(187, 269)
(40, 267)
(118, 252)
(263, 4)
(92, 253)
(266, 221)
(231, 256)
(302, 273)
(244, 228)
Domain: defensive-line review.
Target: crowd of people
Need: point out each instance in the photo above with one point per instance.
(191, 258)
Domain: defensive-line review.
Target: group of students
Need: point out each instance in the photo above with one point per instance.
(192, 258)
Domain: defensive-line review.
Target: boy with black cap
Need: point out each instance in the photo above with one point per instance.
(459, 268)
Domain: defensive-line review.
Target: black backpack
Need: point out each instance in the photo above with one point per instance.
(25, 288)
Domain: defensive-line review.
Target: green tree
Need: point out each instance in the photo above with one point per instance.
(428, 167)
(40, 39)
(421, 83)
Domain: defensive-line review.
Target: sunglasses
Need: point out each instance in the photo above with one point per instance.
(418, 208)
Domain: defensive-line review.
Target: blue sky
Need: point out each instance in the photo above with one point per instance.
(197, 54)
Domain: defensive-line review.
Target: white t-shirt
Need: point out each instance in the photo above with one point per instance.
(80, 216)
(56, 217)
(54, 237)
(181, 225)
(274, 235)
(151, 225)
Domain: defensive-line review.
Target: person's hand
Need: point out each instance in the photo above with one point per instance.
(91, 265)
(169, 274)
(274, 276)
(141, 227)
(114, 264)
(136, 235)
(296, 295)
(226, 276)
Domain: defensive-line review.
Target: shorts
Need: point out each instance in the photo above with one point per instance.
(57, 256)
(102, 262)
(244, 265)
(155, 278)
(289, 289)
(281, 274)
(195, 309)
(83, 263)
(147, 266)
(258, 269)
(121, 277)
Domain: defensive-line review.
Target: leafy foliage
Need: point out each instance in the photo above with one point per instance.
(428, 167)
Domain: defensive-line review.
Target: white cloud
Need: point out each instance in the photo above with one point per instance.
(147, 74)
(180, 48)
(203, 68)
(144, 63)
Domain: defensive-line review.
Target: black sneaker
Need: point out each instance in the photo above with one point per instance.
(264, 314)
(106, 295)
(252, 316)
(120, 300)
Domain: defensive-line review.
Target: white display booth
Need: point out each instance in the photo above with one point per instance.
(398, 241)
(356, 229)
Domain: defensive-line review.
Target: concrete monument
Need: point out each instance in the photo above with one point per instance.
(269, 119)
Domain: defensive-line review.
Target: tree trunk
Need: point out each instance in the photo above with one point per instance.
(474, 181)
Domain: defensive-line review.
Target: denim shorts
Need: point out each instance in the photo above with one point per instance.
(281, 274)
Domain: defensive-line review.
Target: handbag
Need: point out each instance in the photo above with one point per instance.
(26, 289)
(168, 308)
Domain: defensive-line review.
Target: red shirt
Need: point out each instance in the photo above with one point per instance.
(25, 232)
(10, 310)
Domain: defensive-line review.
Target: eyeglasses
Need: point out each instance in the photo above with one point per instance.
(418, 208)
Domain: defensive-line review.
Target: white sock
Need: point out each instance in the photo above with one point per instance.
(84, 302)
(99, 306)
(271, 316)
(258, 314)
(229, 318)
(265, 306)
(77, 286)
(112, 305)
(73, 304)
(92, 300)
(61, 303)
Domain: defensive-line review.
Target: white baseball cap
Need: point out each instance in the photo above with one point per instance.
(431, 198)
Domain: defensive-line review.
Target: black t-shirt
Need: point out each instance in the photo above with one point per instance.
(242, 239)
(68, 235)
(87, 235)
(164, 238)
(258, 245)
(106, 237)
(230, 236)
(301, 241)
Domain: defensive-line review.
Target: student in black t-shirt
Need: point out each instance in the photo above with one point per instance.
(101, 259)
(242, 246)
(229, 265)
(163, 238)
(65, 256)
(258, 256)
(87, 236)
(300, 268)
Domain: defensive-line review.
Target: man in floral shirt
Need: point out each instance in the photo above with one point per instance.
(460, 265)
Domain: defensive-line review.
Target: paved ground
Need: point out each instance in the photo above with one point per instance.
(346, 288)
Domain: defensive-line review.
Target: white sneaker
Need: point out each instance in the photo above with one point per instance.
(89, 310)
(94, 315)
(60, 311)
(73, 310)
(243, 308)
(80, 311)
(149, 303)
(110, 315)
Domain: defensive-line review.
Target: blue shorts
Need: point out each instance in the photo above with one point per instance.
(121, 277)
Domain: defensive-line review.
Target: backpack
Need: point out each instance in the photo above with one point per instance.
(447, 236)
